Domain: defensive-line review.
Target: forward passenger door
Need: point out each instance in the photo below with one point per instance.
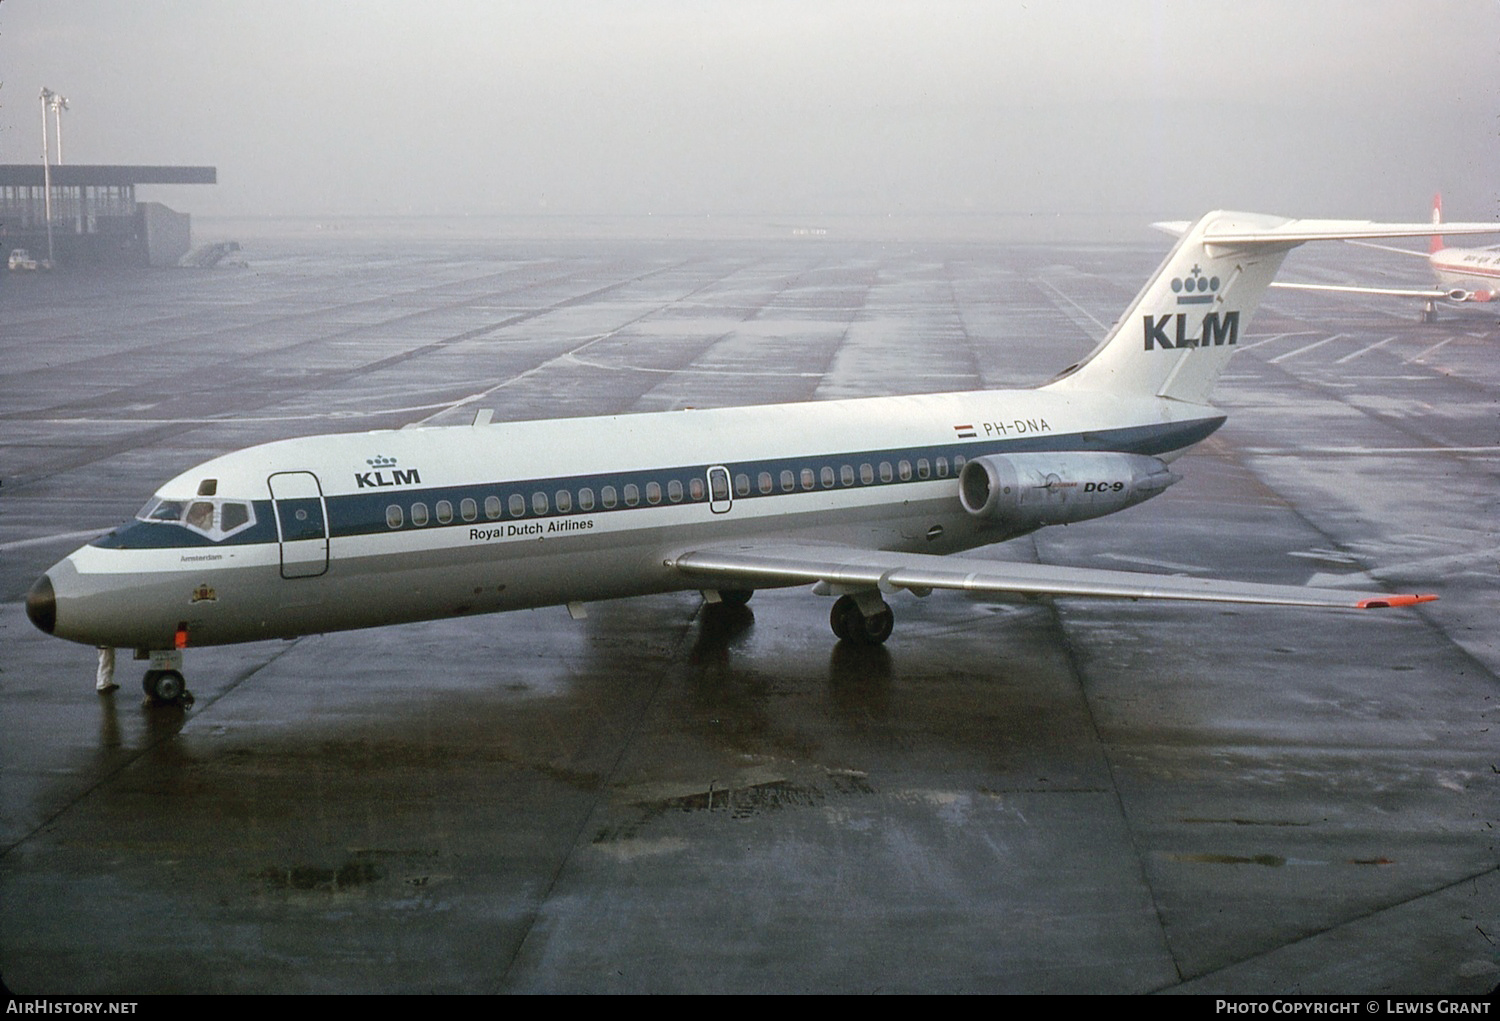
(301, 524)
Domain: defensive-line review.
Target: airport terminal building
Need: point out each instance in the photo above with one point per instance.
(93, 217)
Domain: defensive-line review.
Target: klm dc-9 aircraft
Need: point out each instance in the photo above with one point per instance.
(860, 499)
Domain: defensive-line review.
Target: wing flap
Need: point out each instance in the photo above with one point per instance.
(855, 569)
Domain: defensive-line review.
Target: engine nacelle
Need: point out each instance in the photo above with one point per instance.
(1027, 491)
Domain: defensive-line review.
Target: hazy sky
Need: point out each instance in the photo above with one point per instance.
(798, 108)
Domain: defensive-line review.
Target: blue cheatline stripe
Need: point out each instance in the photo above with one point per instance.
(365, 513)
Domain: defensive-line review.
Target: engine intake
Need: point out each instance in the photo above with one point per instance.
(1027, 491)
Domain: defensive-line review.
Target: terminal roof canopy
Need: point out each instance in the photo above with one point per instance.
(103, 176)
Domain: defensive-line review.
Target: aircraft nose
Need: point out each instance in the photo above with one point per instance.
(41, 604)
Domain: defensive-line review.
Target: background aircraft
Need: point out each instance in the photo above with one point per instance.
(1463, 274)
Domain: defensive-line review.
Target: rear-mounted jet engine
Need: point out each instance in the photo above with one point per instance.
(1023, 492)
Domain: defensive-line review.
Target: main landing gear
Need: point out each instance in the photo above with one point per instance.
(862, 620)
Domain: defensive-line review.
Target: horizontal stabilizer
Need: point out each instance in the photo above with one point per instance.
(1394, 292)
(1177, 336)
(1391, 248)
(1233, 229)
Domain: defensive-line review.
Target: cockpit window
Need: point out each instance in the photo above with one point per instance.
(161, 510)
(200, 515)
(216, 519)
(232, 516)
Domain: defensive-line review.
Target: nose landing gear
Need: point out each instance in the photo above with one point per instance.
(164, 683)
(166, 687)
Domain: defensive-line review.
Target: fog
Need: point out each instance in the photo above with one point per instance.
(798, 109)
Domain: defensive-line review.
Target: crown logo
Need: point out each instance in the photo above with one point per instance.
(1195, 289)
(381, 461)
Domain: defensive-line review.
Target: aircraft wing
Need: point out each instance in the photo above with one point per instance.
(843, 568)
(1397, 292)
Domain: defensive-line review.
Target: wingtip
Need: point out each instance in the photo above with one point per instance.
(1384, 602)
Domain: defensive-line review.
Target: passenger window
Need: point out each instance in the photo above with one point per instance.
(393, 516)
(492, 507)
(517, 505)
(942, 467)
(846, 474)
(419, 514)
(539, 503)
(885, 471)
(788, 481)
(674, 491)
(585, 499)
(866, 474)
(564, 501)
(827, 478)
(653, 493)
(742, 485)
(764, 481)
(607, 494)
(958, 463)
(695, 488)
(904, 470)
(444, 512)
(468, 509)
(924, 470)
(632, 494)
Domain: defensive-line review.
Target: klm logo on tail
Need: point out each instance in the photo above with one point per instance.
(1193, 289)
(1216, 331)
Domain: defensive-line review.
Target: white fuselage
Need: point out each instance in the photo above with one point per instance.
(362, 529)
(1476, 272)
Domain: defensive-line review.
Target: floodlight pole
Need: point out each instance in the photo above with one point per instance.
(46, 97)
(58, 104)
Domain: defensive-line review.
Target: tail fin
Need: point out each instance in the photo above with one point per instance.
(1177, 335)
(1436, 244)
